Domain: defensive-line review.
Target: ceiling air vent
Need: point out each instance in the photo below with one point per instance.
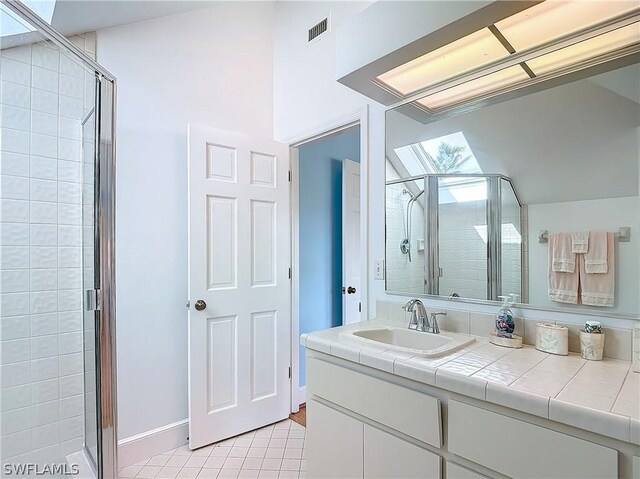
(318, 29)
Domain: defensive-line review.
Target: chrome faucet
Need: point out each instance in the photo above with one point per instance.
(434, 322)
(419, 320)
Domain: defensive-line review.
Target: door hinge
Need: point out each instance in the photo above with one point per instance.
(289, 273)
(92, 300)
(289, 372)
(359, 307)
(188, 304)
(289, 176)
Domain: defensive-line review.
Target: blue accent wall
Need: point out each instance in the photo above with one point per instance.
(320, 170)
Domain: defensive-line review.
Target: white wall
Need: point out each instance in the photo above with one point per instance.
(212, 66)
(596, 215)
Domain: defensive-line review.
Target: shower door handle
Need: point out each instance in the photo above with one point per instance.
(200, 305)
(351, 290)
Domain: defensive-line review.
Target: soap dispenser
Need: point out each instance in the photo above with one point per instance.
(505, 325)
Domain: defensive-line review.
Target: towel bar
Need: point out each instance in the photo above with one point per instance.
(623, 235)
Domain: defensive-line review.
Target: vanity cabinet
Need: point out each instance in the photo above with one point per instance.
(340, 446)
(519, 449)
(388, 456)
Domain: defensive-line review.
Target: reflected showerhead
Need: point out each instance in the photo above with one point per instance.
(407, 192)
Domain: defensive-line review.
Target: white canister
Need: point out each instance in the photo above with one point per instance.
(552, 338)
(591, 346)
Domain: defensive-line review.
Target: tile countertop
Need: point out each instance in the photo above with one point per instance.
(598, 396)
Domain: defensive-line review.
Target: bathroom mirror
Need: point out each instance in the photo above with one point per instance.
(473, 192)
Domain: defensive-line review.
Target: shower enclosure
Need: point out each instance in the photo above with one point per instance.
(454, 235)
(57, 316)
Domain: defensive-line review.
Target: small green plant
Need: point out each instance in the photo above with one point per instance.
(450, 158)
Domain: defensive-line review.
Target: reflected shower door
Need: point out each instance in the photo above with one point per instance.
(462, 235)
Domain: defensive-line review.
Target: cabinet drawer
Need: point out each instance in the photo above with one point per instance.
(334, 443)
(387, 456)
(458, 472)
(411, 412)
(522, 450)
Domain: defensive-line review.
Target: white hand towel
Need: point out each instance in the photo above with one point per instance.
(595, 261)
(599, 289)
(563, 287)
(562, 259)
(580, 242)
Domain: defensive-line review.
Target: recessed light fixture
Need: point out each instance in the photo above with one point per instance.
(549, 38)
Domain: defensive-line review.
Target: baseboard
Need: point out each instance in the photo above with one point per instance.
(302, 395)
(134, 449)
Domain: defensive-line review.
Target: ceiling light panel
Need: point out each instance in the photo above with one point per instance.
(475, 88)
(551, 20)
(462, 56)
(601, 45)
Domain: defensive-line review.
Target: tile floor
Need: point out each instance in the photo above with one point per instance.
(276, 451)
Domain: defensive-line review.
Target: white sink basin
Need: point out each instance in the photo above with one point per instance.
(428, 345)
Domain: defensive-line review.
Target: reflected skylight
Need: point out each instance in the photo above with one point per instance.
(509, 233)
(11, 24)
(449, 154)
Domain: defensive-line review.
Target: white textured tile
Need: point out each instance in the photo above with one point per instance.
(15, 118)
(14, 257)
(15, 374)
(43, 212)
(14, 304)
(15, 327)
(14, 281)
(43, 302)
(70, 107)
(69, 214)
(44, 391)
(71, 86)
(71, 428)
(46, 368)
(15, 397)
(44, 79)
(44, 190)
(611, 425)
(15, 141)
(70, 385)
(43, 257)
(71, 406)
(497, 377)
(45, 413)
(44, 168)
(14, 211)
(17, 420)
(16, 164)
(69, 66)
(44, 101)
(518, 399)
(43, 235)
(14, 71)
(15, 350)
(45, 57)
(461, 384)
(14, 187)
(21, 53)
(15, 95)
(70, 364)
(44, 347)
(44, 145)
(44, 324)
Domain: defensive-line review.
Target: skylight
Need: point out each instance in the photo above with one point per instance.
(509, 233)
(10, 24)
(445, 154)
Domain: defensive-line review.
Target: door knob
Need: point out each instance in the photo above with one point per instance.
(200, 305)
(351, 290)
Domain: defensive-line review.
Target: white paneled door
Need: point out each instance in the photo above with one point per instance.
(239, 285)
(351, 283)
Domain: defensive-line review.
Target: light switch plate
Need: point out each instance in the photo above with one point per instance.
(379, 269)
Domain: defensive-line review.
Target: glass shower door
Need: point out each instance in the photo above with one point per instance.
(462, 234)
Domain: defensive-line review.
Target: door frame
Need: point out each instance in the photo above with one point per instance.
(358, 117)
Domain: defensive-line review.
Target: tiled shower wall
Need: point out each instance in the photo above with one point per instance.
(44, 96)
(403, 275)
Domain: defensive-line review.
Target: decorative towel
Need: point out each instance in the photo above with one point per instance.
(599, 289)
(595, 261)
(562, 259)
(563, 287)
(580, 242)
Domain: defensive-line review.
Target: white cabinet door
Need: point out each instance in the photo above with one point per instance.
(386, 456)
(334, 443)
(239, 319)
